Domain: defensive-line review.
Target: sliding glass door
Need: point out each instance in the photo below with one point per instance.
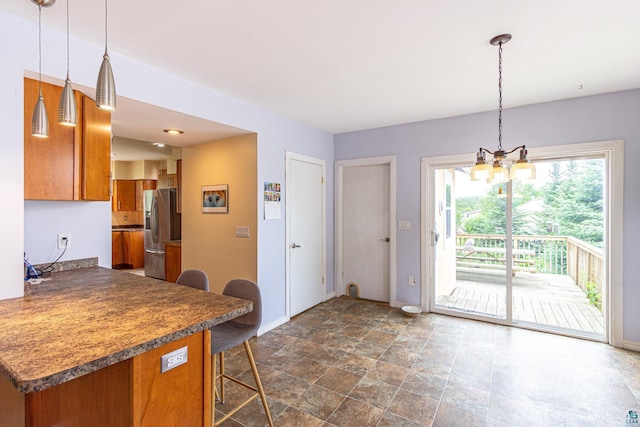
(530, 253)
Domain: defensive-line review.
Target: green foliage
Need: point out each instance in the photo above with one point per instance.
(574, 197)
(594, 296)
(570, 203)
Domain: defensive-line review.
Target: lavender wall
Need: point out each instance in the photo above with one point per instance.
(595, 118)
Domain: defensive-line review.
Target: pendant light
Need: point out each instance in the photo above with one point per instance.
(39, 121)
(106, 86)
(67, 110)
(496, 171)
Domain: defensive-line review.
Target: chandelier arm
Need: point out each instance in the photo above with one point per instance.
(515, 149)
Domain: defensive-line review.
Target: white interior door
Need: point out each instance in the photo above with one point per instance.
(306, 241)
(365, 230)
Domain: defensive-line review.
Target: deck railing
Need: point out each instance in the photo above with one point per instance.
(565, 255)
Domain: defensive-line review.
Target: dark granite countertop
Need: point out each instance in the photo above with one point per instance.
(128, 228)
(86, 319)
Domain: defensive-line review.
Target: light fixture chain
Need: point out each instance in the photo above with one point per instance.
(500, 97)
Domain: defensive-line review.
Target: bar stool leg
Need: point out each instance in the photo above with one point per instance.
(256, 377)
(222, 377)
(215, 390)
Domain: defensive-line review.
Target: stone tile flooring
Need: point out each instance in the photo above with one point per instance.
(358, 363)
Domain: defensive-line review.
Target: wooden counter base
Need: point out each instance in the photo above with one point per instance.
(129, 393)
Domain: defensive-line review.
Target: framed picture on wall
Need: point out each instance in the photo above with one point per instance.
(215, 198)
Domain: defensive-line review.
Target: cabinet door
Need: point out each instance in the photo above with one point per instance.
(96, 151)
(172, 262)
(50, 171)
(134, 249)
(117, 255)
(125, 194)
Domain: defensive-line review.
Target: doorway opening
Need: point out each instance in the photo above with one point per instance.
(535, 254)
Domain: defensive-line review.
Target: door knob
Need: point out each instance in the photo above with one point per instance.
(386, 239)
(294, 246)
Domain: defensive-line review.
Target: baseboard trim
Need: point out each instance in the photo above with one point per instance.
(631, 345)
(266, 328)
(329, 296)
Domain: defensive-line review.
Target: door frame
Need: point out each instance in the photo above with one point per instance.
(613, 152)
(323, 165)
(339, 170)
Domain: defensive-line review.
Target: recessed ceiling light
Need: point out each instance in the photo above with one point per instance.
(158, 144)
(173, 131)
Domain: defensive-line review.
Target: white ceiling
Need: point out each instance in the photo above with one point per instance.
(357, 64)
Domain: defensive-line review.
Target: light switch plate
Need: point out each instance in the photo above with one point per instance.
(242, 231)
(404, 225)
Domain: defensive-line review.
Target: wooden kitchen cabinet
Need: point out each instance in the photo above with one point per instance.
(73, 163)
(117, 254)
(124, 195)
(127, 248)
(133, 392)
(141, 186)
(172, 261)
(133, 248)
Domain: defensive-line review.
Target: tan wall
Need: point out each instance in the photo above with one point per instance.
(208, 240)
(151, 169)
(139, 169)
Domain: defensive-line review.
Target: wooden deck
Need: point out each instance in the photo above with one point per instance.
(544, 299)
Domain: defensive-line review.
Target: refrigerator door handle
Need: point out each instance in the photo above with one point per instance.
(154, 251)
(154, 220)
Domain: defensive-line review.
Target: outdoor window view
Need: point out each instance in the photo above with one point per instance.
(557, 263)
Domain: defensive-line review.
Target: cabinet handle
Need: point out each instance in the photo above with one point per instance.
(118, 204)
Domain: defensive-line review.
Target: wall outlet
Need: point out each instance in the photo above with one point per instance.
(174, 359)
(64, 240)
(412, 281)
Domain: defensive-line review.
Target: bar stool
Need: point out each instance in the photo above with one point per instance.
(228, 335)
(194, 279)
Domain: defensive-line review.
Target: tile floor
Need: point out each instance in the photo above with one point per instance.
(358, 363)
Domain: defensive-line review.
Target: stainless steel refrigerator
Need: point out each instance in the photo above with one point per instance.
(161, 224)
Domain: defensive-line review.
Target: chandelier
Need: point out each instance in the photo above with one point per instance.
(496, 171)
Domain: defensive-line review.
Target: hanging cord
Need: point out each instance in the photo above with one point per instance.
(67, 39)
(46, 271)
(500, 97)
(106, 11)
(40, 47)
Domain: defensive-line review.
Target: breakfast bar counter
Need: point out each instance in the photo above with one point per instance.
(98, 335)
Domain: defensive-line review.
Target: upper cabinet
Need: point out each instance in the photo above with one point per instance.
(124, 195)
(128, 194)
(73, 163)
